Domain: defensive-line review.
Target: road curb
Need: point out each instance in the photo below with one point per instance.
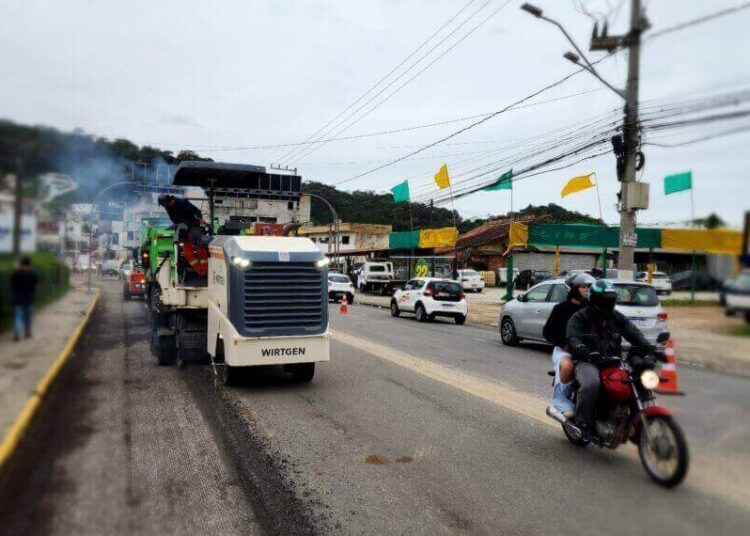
(21, 424)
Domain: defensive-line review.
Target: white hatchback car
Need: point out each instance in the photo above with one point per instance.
(659, 280)
(428, 297)
(471, 280)
(339, 285)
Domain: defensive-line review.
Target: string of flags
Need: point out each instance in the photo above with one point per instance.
(672, 184)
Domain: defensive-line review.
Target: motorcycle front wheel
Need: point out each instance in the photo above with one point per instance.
(663, 451)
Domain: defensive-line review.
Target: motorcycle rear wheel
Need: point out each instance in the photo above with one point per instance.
(666, 460)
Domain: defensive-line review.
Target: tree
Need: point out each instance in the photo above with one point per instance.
(712, 221)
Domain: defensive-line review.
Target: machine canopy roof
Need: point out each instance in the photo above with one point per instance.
(248, 178)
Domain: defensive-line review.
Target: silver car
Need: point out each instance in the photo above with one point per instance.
(523, 318)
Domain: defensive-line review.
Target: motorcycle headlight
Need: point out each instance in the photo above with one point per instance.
(322, 263)
(650, 379)
(240, 262)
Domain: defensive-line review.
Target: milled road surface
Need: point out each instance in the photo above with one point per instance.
(410, 429)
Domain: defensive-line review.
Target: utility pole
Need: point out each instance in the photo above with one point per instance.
(628, 238)
(633, 195)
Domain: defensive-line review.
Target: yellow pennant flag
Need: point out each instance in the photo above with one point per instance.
(441, 177)
(577, 184)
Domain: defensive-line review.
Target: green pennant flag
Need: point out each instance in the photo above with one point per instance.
(503, 182)
(401, 192)
(678, 183)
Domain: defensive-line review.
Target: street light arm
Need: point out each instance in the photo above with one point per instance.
(588, 65)
(620, 93)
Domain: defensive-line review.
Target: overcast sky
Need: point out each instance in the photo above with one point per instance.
(210, 75)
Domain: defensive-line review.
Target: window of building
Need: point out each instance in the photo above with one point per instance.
(345, 239)
(290, 205)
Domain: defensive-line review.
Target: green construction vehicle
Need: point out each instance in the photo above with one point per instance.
(157, 242)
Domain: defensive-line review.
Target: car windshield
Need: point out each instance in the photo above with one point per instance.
(468, 272)
(377, 268)
(636, 295)
(337, 278)
(449, 287)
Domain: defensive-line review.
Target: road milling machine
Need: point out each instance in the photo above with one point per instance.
(263, 300)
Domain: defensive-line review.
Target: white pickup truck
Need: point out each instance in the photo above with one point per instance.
(376, 277)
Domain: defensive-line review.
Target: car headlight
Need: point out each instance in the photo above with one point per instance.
(322, 263)
(650, 379)
(240, 262)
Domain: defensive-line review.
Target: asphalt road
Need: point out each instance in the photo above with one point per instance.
(410, 429)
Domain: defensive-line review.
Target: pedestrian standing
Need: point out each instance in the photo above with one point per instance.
(23, 283)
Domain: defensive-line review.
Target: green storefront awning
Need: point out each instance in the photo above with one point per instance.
(588, 236)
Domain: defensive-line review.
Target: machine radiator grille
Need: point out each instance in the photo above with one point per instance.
(286, 295)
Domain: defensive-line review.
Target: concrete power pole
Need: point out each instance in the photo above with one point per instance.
(628, 238)
(633, 195)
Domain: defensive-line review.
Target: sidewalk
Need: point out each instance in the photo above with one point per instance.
(24, 364)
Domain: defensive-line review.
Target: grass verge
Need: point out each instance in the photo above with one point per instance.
(739, 331)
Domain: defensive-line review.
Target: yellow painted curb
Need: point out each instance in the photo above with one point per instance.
(16, 432)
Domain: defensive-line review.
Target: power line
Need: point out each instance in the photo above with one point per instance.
(469, 127)
(399, 88)
(699, 20)
(376, 84)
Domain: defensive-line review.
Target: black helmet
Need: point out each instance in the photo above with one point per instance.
(164, 199)
(603, 297)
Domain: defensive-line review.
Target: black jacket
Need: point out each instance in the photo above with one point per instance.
(184, 212)
(23, 286)
(555, 330)
(587, 334)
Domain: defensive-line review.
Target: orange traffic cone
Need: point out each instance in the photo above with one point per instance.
(668, 374)
(344, 306)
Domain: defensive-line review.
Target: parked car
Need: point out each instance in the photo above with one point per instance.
(659, 280)
(428, 297)
(736, 296)
(376, 276)
(501, 275)
(565, 274)
(684, 281)
(523, 318)
(528, 278)
(339, 285)
(471, 280)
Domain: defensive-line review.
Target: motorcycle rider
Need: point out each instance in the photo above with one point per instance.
(595, 333)
(555, 331)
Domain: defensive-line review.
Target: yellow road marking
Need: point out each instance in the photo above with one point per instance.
(706, 474)
(527, 405)
(17, 430)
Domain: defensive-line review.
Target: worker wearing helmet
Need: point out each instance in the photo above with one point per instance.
(555, 331)
(595, 333)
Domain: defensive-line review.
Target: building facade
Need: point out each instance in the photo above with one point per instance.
(352, 236)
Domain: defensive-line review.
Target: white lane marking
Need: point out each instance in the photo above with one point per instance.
(528, 405)
(707, 474)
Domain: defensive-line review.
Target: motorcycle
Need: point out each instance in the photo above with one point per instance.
(627, 411)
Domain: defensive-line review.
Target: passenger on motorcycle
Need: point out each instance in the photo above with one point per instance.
(555, 332)
(595, 333)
